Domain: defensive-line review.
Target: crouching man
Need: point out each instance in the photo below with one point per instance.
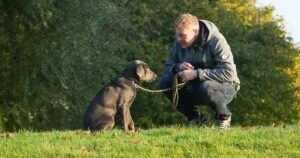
(201, 55)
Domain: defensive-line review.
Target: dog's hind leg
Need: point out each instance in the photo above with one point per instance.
(110, 123)
(106, 123)
(106, 120)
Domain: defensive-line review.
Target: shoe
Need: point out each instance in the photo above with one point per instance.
(225, 123)
(199, 121)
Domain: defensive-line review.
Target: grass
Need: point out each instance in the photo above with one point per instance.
(172, 141)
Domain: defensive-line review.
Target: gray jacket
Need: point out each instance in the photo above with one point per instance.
(210, 55)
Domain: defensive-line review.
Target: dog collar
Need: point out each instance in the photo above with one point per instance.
(134, 84)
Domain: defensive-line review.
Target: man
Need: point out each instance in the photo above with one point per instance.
(201, 56)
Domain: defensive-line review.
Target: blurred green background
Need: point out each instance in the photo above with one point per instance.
(56, 54)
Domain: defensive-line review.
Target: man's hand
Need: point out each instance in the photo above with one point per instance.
(186, 66)
(188, 75)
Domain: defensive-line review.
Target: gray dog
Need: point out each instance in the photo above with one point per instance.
(117, 97)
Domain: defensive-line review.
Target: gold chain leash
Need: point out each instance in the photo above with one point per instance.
(175, 87)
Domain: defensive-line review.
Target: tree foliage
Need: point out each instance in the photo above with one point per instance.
(55, 56)
(263, 53)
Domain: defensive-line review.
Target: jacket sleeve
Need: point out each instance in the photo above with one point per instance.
(225, 68)
(172, 64)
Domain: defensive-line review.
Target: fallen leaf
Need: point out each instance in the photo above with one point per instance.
(273, 125)
(134, 141)
(85, 148)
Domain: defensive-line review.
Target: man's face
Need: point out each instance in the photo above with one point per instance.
(186, 35)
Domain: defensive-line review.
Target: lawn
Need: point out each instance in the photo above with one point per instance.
(171, 141)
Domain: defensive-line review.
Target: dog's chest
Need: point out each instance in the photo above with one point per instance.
(125, 90)
(128, 94)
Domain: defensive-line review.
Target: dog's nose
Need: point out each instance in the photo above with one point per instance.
(154, 76)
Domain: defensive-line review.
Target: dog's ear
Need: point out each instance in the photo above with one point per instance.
(140, 71)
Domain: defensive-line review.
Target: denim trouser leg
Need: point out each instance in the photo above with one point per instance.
(185, 104)
(212, 93)
(217, 95)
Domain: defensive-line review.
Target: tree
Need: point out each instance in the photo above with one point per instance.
(56, 56)
(261, 48)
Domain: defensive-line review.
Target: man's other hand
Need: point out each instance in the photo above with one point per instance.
(188, 75)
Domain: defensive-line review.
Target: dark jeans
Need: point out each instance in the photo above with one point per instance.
(212, 93)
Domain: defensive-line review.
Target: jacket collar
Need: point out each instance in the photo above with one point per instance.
(202, 39)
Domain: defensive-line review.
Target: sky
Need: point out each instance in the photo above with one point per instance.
(290, 11)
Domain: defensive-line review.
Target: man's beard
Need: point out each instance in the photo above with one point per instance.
(186, 45)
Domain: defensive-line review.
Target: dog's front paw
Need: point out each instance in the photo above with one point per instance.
(136, 130)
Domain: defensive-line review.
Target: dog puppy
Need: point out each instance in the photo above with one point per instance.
(117, 97)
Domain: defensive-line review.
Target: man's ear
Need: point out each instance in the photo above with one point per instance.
(140, 71)
(196, 31)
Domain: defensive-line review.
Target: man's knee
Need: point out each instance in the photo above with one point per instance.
(214, 95)
(209, 89)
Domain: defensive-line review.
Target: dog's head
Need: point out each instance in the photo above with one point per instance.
(139, 71)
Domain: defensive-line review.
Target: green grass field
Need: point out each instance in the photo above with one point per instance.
(162, 142)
